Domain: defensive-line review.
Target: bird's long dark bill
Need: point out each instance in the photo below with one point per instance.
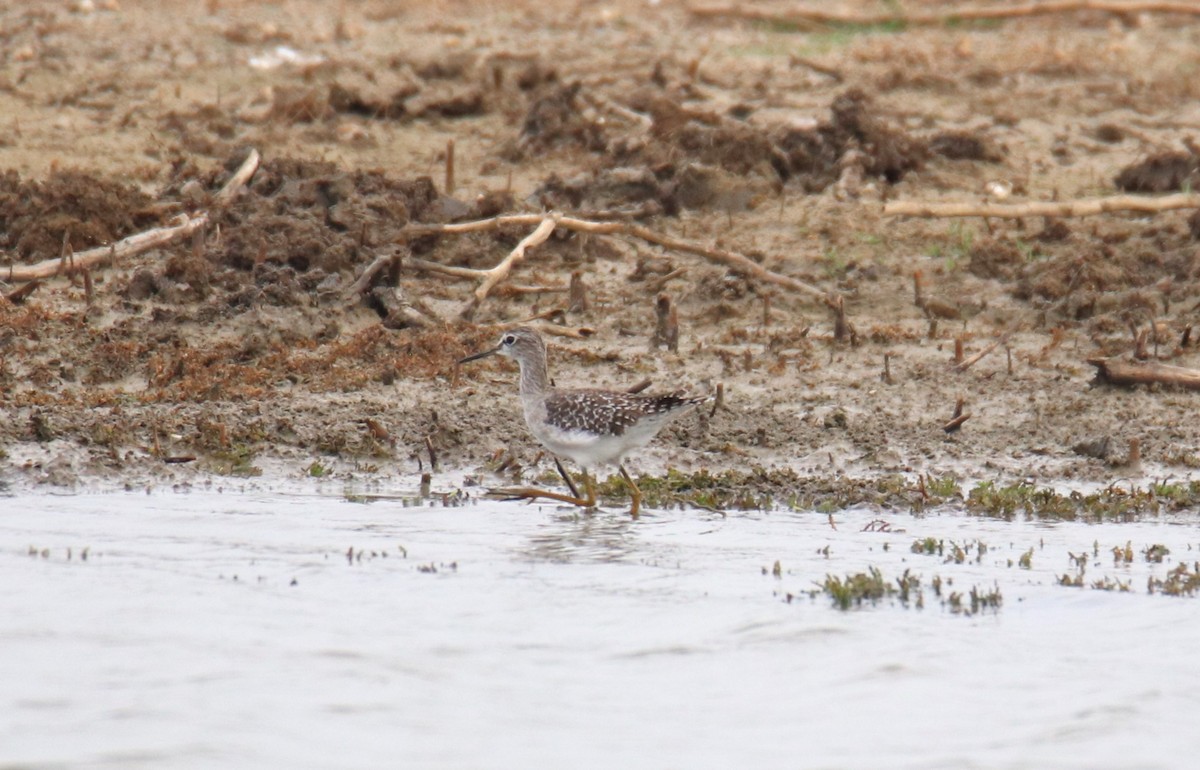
(481, 354)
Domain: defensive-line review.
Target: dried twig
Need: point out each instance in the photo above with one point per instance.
(1124, 373)
(574, 332)
(732, 260)
(823, 69)
(136, 244)
(18, 296)
(498, 273)
(666, 329)
(959, 417)
(817, 16)
(967, 363)
(578, 293)
(1082, 207)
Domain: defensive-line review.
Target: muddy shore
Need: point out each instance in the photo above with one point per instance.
(250, 349)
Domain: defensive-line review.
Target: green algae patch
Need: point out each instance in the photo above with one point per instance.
(759, 488)
(864, 589)
(1108, 504)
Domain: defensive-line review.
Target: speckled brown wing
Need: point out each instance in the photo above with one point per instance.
(606, 413)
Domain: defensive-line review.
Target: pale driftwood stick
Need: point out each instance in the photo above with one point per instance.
(831, 72)
(554, 330)
(1124, 373)
(451, 270)
(524, 288)
(813, 16)
(476, 274)
(498, 273)
(136, 244)
(729, 259)
(968, 363)
(239, 179)
(363, 284)
(540, 315)
(604, 103)
(1073, 208)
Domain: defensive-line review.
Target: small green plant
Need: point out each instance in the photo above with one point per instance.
(235, 461)
(944, 487)
(853, 590)
(316, 470)
(928, 546)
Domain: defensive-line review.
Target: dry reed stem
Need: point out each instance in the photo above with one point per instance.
(813, 17)
(1083, 207)
(730, 259)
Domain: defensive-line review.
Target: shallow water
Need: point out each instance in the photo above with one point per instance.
(208, 629)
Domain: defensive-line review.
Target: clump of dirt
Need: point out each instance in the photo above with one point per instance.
(965, 145)
(311, 215)
(995, 258)
(558, 117)
(1163, 172)
(857, 134)
(37, 217)
(688, 158)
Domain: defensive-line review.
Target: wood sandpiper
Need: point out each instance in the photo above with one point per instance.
(591, 427)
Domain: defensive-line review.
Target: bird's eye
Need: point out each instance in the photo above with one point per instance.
(509, 339)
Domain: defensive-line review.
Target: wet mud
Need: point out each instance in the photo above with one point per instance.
(257, 345)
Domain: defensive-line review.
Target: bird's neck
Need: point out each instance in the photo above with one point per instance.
(535, 381)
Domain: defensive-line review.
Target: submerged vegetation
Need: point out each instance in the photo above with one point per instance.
(870, 587)
(1109, 504)
(760, 488)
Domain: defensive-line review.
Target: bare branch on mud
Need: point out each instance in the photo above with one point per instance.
(730, 259)
(574, 332)
(666, 331)
(18, 296)
(816, 17)
(474, 274)
(498, 273)
(831, 72)
(379, 286)
(620, 110)
(1124, 373)
(1073, 208)
(136, 244)
(578, 300)
(240, 179)
(437, 267)
(958, 418)
(969, 362)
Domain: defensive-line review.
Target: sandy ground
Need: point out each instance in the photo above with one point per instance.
(248, 350)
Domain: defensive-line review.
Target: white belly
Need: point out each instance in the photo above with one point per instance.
(589, 449)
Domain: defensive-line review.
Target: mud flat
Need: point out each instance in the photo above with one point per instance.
(737, 181)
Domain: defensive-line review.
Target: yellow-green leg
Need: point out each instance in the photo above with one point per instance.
(530, 493)
(635, 494)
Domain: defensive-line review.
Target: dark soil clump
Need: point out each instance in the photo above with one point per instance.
(37, 217)
(1164, 172)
